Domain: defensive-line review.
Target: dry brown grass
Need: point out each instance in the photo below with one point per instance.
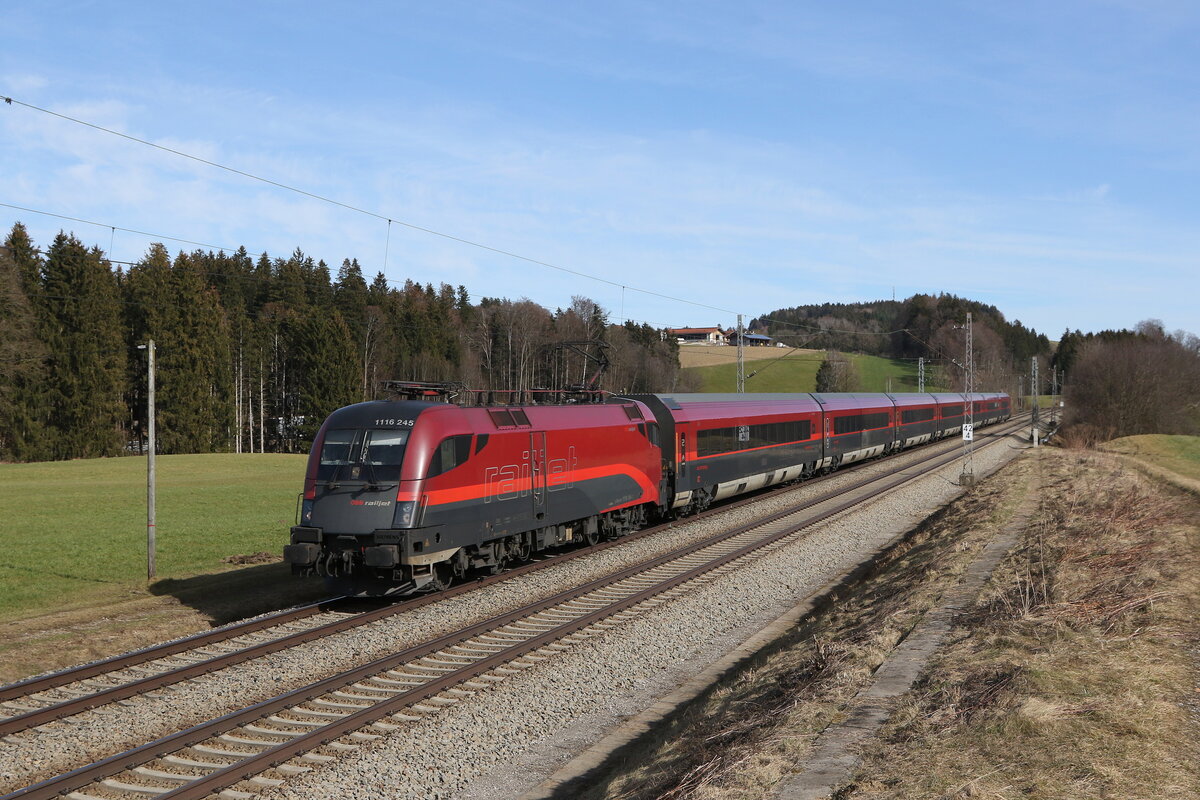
(1073, 676)
(746, 734)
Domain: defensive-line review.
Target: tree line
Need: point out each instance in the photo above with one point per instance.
(922, 326)
(253, 353)
(1131, 382)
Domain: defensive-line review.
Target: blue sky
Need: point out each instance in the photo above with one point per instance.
(1042, 157)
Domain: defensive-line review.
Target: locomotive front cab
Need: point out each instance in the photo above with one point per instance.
(360, 499)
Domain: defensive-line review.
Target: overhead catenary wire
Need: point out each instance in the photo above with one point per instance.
(412, 226)
(260, 278)
(219, 248)
(115, 228)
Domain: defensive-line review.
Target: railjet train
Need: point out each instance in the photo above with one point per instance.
(408, 495)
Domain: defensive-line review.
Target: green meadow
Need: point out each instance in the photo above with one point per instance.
(74, 532)
(1179, 454)
(798, 373)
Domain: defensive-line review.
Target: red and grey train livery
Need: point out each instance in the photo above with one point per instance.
(407, 495)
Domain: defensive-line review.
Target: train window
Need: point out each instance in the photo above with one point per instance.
(951, 411)
(480, 441)
(453, 450)
(859, 422)
(337, 447)
(716, 440)
(384, 448)
(337, 450)
(850, 424)
(916, 415)
(746, 437)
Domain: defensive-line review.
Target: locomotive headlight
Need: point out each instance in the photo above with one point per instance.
(406, 511)
(306, 509)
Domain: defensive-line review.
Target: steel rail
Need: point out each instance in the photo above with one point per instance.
(33, 718)
(134, 657)
(273, 756)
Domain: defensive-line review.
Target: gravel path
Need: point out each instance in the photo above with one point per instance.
(585, 689)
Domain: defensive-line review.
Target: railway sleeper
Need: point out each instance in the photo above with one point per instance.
(208, 749)
(166, 776)
(380, 695)
(322, 714)
(299, 723)
(270, 731)
(246, 740)
(322, 702)
(293, 769)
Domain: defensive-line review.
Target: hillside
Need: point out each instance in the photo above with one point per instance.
(796, 372)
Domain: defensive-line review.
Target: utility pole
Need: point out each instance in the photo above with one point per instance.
(920, 374)
(741, 364)
(150, 544)
(1033, 393)
(967, 478)
(1054, 395)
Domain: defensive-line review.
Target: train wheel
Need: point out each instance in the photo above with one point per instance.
(592, 537)
(443, 577)
(501, 554)
(524, 547)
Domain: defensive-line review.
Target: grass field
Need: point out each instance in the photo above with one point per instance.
(798, 373)
(1179, 454)
(74, 532)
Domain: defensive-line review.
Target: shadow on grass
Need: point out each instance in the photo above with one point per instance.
(64, 575)
(227, 596)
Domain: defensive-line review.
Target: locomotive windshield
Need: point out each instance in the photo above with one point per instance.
(371, 455)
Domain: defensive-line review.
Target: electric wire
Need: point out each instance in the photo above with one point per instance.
(357, 209)
(222, 249)
(412, 226)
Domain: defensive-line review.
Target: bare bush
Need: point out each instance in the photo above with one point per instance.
(1145, 383)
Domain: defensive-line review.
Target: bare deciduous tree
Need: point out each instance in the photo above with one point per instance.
(1147, 382)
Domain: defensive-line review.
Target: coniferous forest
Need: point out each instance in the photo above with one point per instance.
(253, 353)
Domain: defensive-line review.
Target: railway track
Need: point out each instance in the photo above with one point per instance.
(37, 701)
(293, 732)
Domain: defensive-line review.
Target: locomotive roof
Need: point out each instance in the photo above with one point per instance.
(364, 414)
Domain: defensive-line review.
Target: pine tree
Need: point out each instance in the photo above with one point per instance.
(23, 417)
(86, 363)
(195, 365)
(151, 312)
(378, 294)
(325, 379)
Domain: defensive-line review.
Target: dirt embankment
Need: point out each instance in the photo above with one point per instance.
(1074, 675)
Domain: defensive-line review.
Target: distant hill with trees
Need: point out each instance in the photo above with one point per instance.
(922, 326)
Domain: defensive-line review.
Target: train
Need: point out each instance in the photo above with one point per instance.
(410, 495)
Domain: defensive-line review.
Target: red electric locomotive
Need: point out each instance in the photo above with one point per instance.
(407, 495)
